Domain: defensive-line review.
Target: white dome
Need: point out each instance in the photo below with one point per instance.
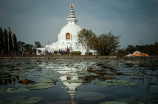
(73, 29)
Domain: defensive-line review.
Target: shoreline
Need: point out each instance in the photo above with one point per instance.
(59, 56)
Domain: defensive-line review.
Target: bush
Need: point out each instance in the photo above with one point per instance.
(88, 53)
(76, 53)
(66, 52)
(120, 55)
(55, 52)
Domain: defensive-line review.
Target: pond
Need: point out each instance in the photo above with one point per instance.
(76, 81)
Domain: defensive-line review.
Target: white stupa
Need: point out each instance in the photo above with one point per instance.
(67, 37)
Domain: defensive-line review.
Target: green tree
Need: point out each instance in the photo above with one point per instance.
(83, 38)
(29, 47)
(15, 42)
(130, 49)
(1, 40)
(20, 44)
(37, 44)
(104, 44)
(5, 41)
(156, 48)
(10, 41)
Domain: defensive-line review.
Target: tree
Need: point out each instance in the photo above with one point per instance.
(156, 48)
(10, 41)
(1, 40)
(5, 41)
(37, 44)
(28, 47)
(20, 44)
(84, 36)
(15, 42)
(130, 49)
(104, 44)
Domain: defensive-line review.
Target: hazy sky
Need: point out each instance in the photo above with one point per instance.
(42, 20)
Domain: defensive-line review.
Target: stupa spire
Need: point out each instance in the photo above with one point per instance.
(72, 13)
(72, 18)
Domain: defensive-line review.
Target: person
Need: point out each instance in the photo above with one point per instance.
(67, 49)
(63, 51)
(59, 50)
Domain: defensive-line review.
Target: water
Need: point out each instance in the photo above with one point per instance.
(69, 81)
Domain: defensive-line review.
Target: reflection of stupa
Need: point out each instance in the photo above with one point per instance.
(67, 37)
(69, 75)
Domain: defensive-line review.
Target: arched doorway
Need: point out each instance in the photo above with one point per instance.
(67, 36)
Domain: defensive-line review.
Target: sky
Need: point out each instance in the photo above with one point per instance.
(42, 20)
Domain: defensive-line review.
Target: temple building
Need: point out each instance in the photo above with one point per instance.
(67, 37)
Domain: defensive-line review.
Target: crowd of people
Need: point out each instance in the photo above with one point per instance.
(66, 51)
(22, 53)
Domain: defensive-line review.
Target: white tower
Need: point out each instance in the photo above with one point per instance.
(69, 32)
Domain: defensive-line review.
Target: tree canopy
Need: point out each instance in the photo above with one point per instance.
(1, 40)
(9, 44)
(148, 49)
(38, 44)
(104, 44)
(84, 36)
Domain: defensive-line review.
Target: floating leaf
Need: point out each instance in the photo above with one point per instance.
(14, 90)
(113, 102)
(39, 86)
(21, 100)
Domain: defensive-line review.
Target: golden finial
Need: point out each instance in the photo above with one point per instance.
(73, 102)
(71, 6)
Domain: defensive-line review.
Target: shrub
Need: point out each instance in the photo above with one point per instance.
(120, 55)
(76, 53)
(55, 52)
(66, 52)
(88, 53)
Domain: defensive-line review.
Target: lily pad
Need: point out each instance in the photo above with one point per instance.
(21, 100)
(114, 102)
(94, 67)
(14, 90)
(46, 81)
(113, 83)
(12, 100)
(131, 101)
(39, 86)
(31, 100)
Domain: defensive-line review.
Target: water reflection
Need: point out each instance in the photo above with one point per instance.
(33, 74)
(70, 79)
(8, 79)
